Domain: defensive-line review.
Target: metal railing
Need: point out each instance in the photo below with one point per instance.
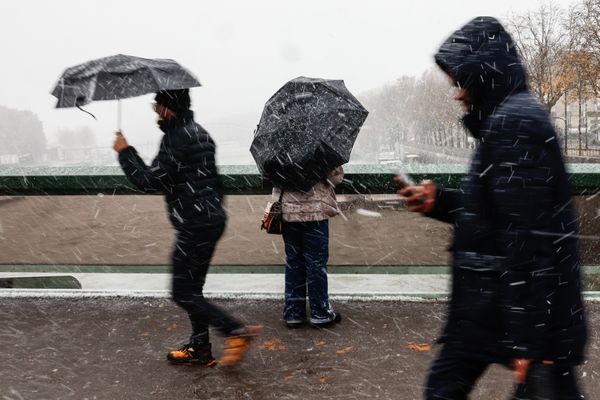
(575, 151)
(245, 179)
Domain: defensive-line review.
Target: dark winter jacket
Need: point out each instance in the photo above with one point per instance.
(185, 171)
(516, 269)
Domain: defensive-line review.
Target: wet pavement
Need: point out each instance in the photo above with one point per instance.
(114, 348)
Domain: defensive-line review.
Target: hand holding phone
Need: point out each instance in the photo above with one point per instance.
(418, 198)
(403, 180)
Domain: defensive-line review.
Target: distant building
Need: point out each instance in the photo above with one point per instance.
(9, 159)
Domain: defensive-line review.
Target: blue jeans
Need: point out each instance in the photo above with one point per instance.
(307, 254)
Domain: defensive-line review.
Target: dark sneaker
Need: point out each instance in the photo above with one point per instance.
(236, 346)
(190, 354)
(319, 323)
(295, 323)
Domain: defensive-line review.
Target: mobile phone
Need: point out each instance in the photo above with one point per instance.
(408, 181)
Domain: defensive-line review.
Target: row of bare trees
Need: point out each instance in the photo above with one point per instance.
(411, 111)
(560, 49)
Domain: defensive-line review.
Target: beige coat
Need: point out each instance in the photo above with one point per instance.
(318, 204)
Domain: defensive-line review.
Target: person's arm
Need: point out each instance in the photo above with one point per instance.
(447, 204)
(433, 200)
(149, 179)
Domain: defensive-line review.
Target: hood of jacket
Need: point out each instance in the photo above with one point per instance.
(482, 58)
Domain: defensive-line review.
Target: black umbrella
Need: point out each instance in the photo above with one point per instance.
(119, 77)
(306, 129)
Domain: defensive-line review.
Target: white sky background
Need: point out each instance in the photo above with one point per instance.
(242, 51)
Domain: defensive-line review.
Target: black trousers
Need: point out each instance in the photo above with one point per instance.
(452, 377)
(191, 260)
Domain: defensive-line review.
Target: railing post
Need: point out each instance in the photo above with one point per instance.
(566, 127)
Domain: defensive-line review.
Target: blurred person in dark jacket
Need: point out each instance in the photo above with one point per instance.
(516, 286)
(185, 172)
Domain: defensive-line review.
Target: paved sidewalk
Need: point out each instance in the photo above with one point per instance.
(114, 348)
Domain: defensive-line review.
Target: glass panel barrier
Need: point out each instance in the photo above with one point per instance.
(133, 230)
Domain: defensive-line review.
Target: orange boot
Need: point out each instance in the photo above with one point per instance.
(236, 346)
(195, 355)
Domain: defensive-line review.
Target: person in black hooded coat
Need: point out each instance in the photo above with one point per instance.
(516, 287)
(185, 171)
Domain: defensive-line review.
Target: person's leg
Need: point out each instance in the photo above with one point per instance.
(199, 332)
(294, 311)
(184, 286)
(568, 387)
(451, 377)
(315, 241)
(191, 260)
(198, 351)
(549, 382)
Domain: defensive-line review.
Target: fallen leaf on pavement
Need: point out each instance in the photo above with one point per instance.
(344, 350)
(172, 327)
(419, 347)
(273, 345)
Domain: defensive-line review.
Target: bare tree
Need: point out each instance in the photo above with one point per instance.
(390, 119)
(584, 21)
(582, 60)
(22, 133)
(588, 18)
(412, 110)
(561, 52)
(543, 41)
(439, 112)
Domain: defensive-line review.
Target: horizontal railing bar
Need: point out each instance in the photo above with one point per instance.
(234, 269)
(239, 179)
(223, 269)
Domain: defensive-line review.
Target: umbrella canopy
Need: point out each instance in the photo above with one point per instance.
(306, 129)
(119, 77)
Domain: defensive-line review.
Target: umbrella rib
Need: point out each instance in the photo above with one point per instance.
(153, 76)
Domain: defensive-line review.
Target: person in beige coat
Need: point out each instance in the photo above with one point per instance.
(306, 238)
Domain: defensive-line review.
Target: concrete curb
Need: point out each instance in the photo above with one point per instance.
(68, 293)
(74, 293)
(351, 287)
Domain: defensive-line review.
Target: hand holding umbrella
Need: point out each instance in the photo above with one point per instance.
(120, 142)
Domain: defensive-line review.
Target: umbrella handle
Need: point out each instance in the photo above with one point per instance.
(119, 115)
(87, 112)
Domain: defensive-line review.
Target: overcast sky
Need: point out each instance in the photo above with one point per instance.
(242, 51)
